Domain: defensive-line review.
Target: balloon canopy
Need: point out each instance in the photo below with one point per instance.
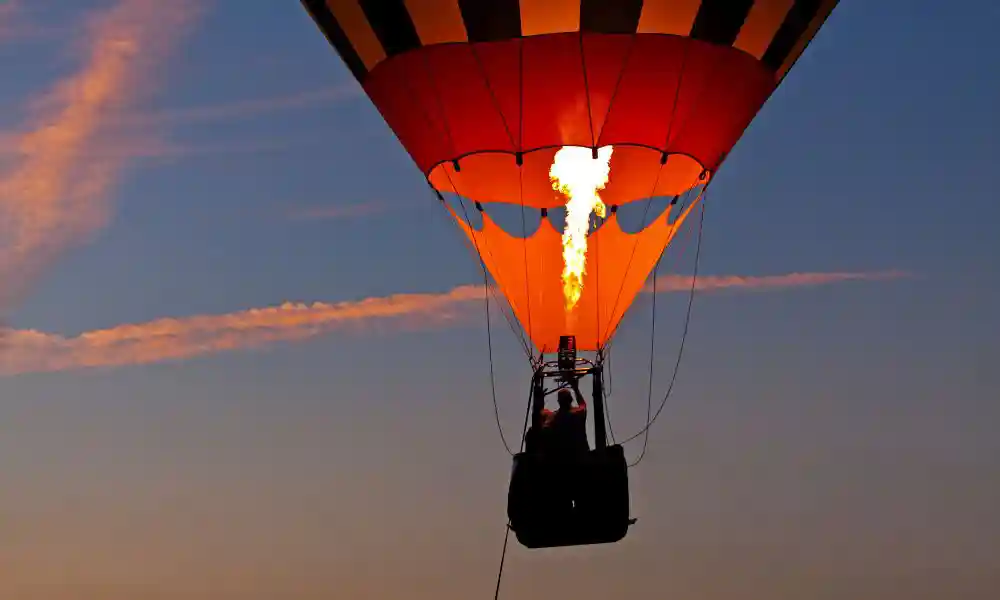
(483, 94)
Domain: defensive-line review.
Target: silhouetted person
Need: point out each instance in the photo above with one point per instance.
(565, 443)
(566, 428)
(536, 440)
(563, 432)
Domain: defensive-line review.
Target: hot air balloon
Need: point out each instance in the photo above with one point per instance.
(582, 104)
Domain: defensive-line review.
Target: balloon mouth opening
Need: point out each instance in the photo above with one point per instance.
(577, 272)
(637, 173)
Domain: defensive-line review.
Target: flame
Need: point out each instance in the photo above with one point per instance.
(577, 174)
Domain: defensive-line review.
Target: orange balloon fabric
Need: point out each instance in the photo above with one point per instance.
(482, 94)
(528, 271)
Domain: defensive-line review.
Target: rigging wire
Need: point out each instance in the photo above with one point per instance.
(606, 394)
(607, 408)
(488, 289)
(608, 347)
(652, 354)
(473, 248)
(687, 324)
(496, 405)
(479, 256)
(493, 384)
(649, 419)
(503, 559)
(506, 535)
(683, 209)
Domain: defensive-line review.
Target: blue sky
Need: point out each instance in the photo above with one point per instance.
(823, 441)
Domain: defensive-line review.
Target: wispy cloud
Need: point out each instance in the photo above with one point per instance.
(346, 211)
(59, 169)
(246, 108)
(56, 194)
(133, 140)
(27, 351)
(133, 148)
(675, 283)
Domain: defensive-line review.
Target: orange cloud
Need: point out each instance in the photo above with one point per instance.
(27, 351)
(675, 283)
(55, 195)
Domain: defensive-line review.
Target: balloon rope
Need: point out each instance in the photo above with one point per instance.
(506, 535)
(475, 249)
(503, 558)
(687, 323)
(451, 142)
(652, 354)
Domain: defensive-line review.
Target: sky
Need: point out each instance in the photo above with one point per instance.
(215, 386)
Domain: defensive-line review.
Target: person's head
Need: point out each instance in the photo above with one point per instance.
(565, 399)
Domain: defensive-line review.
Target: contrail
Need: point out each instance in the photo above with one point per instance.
(27, 351)
(56, 193)
(672, 282)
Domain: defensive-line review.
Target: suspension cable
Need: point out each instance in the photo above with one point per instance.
(503, 559)
(652, 355)
(606, 395)
(687, 323)
(506, 535)
(493, 385)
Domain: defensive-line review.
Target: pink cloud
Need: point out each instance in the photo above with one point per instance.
(673, 283)
(168, 339)
(56, 193)
(165, 339)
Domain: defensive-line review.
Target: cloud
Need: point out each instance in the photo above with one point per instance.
(674, 283)
(56, 194)
(27, 351)
(24, 351)
(132, 149)
(246, 108)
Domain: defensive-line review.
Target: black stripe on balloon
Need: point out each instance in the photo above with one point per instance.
(328, 24)
(795, 24)
(610, 16)
(719, 21)
(491, 20)
(392, 25)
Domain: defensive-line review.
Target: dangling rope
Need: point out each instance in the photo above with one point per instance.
(506, 535)
(503, 557)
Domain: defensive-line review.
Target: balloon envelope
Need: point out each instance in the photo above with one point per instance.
(482, 94)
